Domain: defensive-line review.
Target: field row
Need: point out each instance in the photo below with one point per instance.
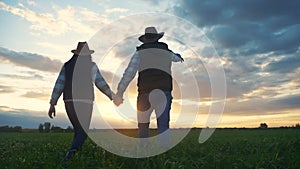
(225, 149)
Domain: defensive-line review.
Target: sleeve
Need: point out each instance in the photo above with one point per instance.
(58, 87)
(176, 57)
(100, 82)
(129, 74)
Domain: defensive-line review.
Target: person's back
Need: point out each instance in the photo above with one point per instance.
(79, 85)
(75, 81)
(153, 62)
(155, 67)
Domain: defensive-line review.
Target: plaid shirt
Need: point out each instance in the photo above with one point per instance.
(132, 69)
(96, 77)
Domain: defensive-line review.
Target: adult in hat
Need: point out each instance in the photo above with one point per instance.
(75, 82)
(152, 60)
(151, 35)
(82, 49)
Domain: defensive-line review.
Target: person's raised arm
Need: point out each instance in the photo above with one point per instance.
(100, 82)
(128, 74)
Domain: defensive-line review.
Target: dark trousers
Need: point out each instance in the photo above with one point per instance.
(146, 103)
(79, 114)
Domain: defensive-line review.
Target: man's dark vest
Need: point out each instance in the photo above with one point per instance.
(155, 67)
(78, 84)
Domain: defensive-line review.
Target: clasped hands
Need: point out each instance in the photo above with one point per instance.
(117, 99)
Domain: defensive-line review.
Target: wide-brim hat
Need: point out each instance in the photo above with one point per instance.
(82, 49)
(151, 35)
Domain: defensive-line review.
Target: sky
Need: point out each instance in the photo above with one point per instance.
(258, 44)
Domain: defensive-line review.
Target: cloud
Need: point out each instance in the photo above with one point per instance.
(80, 20)
(258, 41)
(116, 10)
(261, 25)
(28, 118)
(257, 106)
(126, 47)
(285, 65)
(291, 101)
(153, 2)
(36, 95)
(107, 75)
(44, 21)
(27, 77)
(224, 36)
(31, 119)
(36, 62)
(30, 60)
(53, 46)
(32, 3)
(63, 20)
(212, 12)
(6, 89)
(249, 35)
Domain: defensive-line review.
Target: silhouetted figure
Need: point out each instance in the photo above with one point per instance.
(75, 81)
(47, 126)
(41, 128)
(152, 60)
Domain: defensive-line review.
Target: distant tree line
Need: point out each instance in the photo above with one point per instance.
(265, 126)
(293, 126)
(10, 129)
(46, 127)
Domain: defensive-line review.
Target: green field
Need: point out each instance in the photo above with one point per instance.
(272, 148)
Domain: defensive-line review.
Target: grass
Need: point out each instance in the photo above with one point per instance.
(272, 148)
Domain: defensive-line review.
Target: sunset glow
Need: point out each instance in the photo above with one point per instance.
(260, 56)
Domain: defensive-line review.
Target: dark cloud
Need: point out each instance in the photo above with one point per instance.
(31, 60)
(153, 2)
(228, 36)
(258, 106)
(292, 101)
(285, 65)
(27, 77)
(213, 12)
(260, 42)
(35, 61)
(6, 89)
(126, 47)
(28, 118)
(108, 76)
(36, 95)
(262, 26)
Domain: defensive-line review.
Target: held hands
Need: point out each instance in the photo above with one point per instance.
(117, 99)
(51, 111)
